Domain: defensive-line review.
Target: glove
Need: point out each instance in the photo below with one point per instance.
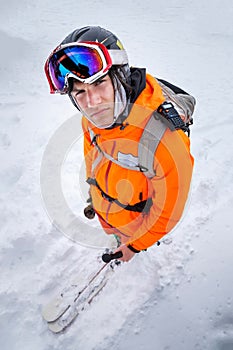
(89, 211)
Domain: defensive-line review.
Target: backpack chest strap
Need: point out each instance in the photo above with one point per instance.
(148, 143)
(106, 155)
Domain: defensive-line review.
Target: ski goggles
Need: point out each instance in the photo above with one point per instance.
(86, 62)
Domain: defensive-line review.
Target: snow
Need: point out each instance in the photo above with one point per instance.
(177, 296)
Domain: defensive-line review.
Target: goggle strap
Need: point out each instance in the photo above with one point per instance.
(119, 57)
(52, 87)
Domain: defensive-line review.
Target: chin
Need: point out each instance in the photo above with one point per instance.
(103, 124)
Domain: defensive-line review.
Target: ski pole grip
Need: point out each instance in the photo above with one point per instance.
(108, 257)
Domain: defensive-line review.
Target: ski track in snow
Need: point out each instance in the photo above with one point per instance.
(177, 296)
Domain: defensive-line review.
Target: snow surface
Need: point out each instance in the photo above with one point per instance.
(174, 297)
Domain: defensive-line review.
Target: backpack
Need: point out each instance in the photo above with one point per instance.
(175, 113)
(180, 116)
(183, 101)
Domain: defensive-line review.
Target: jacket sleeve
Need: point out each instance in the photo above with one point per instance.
(170, 187)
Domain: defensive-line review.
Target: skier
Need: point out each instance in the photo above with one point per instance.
(137, 202)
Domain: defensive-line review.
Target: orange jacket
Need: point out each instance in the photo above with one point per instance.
(168, 190)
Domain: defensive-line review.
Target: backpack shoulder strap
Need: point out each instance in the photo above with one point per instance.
(148, 143)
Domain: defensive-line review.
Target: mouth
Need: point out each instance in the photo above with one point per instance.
(98, 113)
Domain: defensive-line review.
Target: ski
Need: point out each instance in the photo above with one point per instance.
(81, 302)
(59, 304)
(65, 307)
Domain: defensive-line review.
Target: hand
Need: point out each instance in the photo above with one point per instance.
(89, 212)
(127, 253)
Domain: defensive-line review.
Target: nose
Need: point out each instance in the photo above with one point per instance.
(93, 98)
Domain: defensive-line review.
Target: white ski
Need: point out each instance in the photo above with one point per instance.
(84, 299)
(59, 304)
(64, 308)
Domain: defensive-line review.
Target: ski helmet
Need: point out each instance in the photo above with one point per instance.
(119, 74)
(94, 33)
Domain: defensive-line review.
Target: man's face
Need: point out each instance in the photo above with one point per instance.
(96, 100)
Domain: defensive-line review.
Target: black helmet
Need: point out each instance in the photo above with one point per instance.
(94, 33)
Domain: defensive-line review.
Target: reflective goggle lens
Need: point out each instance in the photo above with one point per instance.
(82, 61)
